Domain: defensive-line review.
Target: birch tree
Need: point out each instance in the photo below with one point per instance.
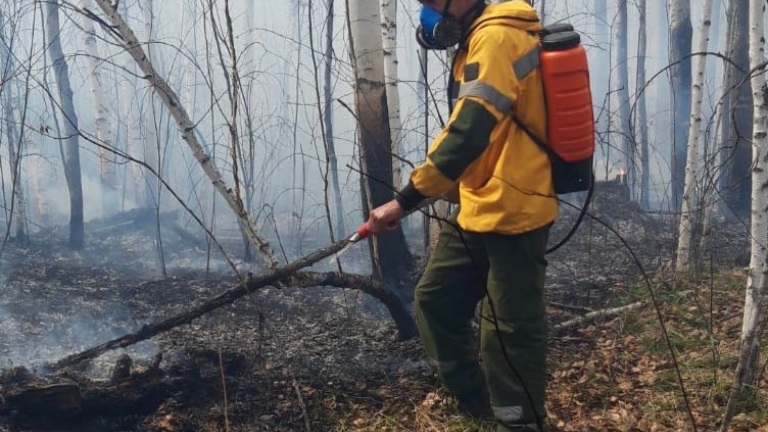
(101, 116)
(389, 253)
(389, 34)
(752, 325)
(685, 231)
(680, 35)
(70, 127)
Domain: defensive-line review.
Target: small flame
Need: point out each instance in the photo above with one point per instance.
(622, 171)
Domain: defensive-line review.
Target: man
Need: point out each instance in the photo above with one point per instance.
(493, 249)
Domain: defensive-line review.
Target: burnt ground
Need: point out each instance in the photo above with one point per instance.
(279, 360)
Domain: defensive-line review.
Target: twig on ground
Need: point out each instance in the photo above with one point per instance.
(302, 405)
(570, 308)
(224, 390)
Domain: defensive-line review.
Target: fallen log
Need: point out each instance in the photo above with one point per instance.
(599, 314)
(249, 287)
(45, 403)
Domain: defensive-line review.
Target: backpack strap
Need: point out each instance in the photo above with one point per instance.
(539, 142)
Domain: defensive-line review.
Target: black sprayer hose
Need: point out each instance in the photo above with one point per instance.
(578, 220)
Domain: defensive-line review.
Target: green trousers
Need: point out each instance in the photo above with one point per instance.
(510, 269)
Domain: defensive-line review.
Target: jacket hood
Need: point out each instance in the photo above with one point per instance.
(518, 14)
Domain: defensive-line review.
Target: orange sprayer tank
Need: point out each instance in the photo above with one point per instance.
(565, 74)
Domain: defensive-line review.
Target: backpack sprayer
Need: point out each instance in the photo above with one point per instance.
(570, 142)
(570, 119)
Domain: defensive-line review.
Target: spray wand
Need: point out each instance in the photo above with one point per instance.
(364, 230)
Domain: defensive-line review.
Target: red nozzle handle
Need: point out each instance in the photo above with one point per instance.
(363, 231)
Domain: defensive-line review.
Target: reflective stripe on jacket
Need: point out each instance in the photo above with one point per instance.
(504, 178)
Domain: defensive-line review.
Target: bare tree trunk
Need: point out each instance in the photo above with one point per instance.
(389, 43)
(543, 11)
(736, 116)
(333, 164)
(186, 126)
(714, 155)
(424, 105)
(129, 117)
(70, 129)
(681, 34)
(248, 151)
(149, 116)
(752, 325)
(685, 232)
(641, 124)
(390, 254)
(620, 95)
(101, 116)
(600, 76)
(12, 133)
(37, 175)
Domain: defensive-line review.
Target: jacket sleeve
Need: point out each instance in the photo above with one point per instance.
(488, 93)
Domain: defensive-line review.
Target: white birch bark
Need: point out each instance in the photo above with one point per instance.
(101, 115)
(365, 30)
(758, 267)
(389, 43)
(186, 127)
(683, 264)
(751, 330)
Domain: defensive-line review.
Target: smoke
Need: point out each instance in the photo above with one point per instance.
(34, 334)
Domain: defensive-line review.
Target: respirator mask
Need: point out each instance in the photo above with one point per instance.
(438, 30)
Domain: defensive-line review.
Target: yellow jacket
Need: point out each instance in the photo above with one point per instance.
(504, 178)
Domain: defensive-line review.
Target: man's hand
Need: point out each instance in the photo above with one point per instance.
(385, 218)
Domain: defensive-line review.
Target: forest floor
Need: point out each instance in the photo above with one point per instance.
(329, 359)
